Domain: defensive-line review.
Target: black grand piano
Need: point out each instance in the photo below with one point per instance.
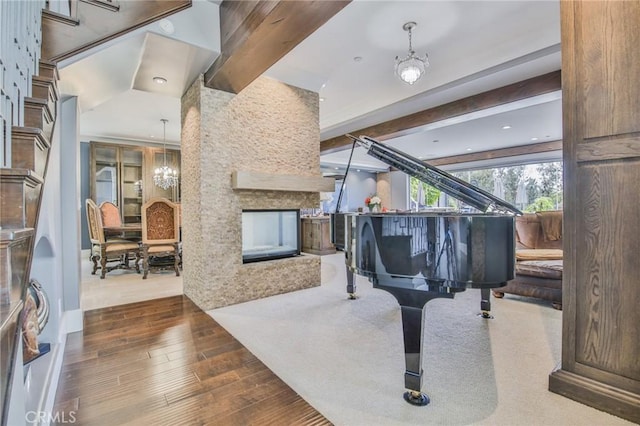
(421, 256)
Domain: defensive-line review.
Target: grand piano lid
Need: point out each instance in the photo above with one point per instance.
(439, 179)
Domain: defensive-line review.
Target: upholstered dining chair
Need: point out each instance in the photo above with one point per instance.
(108, 250)
(160, 232)
(110, 214)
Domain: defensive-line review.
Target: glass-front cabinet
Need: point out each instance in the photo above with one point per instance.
(132, 163)
(123, 174)
(106, 177)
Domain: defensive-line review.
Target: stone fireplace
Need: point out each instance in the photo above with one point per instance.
(269, 131)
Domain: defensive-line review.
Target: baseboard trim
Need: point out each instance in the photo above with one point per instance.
(72, 321)
(53, 378)
(601, 396)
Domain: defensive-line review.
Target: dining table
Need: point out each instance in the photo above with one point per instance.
(127, 227)
(130, 231)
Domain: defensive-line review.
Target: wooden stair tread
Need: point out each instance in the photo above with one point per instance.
(14, 234)
(48, 83)
(18, 173)
(30, 149)
(24, 131)
(37, 113)
(48, 69)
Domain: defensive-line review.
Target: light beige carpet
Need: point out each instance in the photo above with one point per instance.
(346, 357)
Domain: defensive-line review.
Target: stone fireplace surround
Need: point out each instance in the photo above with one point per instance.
(271, 128)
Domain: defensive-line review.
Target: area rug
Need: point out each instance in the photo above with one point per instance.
(346, 358)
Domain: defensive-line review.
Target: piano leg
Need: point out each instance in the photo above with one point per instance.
(412, 330)
(351, 285)
(485, 303)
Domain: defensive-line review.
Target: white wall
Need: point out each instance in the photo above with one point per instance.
(56, 260)
(399, 190)
(360, 185)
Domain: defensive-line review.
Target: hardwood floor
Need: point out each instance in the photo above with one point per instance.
(166, 362)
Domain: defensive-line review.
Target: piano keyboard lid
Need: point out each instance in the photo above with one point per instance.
(439, 179)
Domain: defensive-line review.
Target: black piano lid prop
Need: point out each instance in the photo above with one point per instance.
(439, 179)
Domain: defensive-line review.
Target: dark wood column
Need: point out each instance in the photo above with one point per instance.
(601, 289)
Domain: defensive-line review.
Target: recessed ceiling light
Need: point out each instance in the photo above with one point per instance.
(420, 157)
(469, 149)
(534, 139)
(357, 58)
(321, 99)
(357, 170)
(337, 168)
(151, 136)
(323, 85)
(159, 80)
(506, 127)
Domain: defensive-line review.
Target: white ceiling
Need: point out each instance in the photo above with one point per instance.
(473, 46)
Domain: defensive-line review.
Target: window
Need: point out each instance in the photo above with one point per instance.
(531, 187)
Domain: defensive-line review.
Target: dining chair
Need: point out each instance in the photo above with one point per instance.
(160, 233)
(108, 250)
(110, 214)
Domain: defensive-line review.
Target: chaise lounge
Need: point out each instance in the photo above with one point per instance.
(538, 258)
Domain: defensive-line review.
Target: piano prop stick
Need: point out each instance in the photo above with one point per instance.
(420, 256)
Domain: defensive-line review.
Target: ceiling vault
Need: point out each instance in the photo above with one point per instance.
(535, 86)
(256, 34)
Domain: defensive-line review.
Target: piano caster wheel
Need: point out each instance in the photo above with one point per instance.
(352, 296)
(416, 398)
(485, 314)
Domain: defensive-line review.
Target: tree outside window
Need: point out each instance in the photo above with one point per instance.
(531, 187)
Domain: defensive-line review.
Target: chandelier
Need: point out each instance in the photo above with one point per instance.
(165, 177)
(411, 68)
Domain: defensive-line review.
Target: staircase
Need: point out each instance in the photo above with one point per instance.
(22, 184)
(28, 112)
(28, 97)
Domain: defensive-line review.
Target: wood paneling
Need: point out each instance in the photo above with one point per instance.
(601, 295)
(607, 297)
(609, 148)
(165, 361)
(255, 35)
(610, 104)
(522, 90)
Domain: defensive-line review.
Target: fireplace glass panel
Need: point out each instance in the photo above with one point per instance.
(270, 234)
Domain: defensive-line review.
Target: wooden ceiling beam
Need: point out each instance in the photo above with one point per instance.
(512, 151)
(535, 86)
(256, 34)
